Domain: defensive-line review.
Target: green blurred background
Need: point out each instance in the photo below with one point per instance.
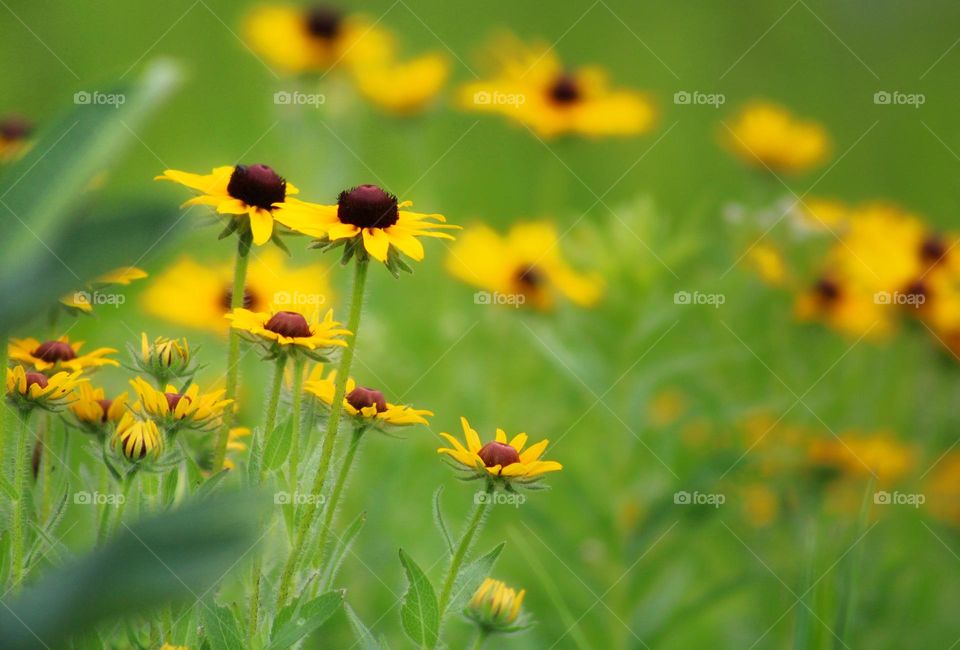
(607, 560)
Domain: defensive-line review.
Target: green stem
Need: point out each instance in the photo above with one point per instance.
(294, 468)
(273, 402)
(340, 389)
(122, 504)
(22, 489)
(482, 635)
(476, 518)
(330, 510)
(233, 352)
(4, 362)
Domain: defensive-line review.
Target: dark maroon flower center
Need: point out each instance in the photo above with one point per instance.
(565, 90)
(498, 453)
(324, 23)
(257, 185)
(37, 378)
(529, 277)
(105, 404)
(288, 323)
(827, 290)
(361, 398)
(15, 128)
(54, 351)
(173, 399)
(368, 206)
(918, 289)
(227, 300)
(932, 250)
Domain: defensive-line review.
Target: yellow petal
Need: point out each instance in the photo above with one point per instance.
(377, 243)
(261, 225)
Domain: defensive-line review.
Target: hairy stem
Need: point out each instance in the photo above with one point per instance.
(21, 505)
(330, 509)
(460, 554)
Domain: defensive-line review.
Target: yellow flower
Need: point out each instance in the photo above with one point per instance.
(495, 607)
(199, 295)
(768, 264)
(164, 359)
(299, 39)
(403, 87)
(534, 88)
(93, 412)
(500, 459)
(246, 193)
(766, 135)
(281, 332)
(367, 405)
(176, 409)
(524, 266)
(28, 390)
(844, 307)
(170, 646)
(366, 212)
(235, 444)
(81, 300)
(853, 455)
(943, 489)
(59, 354)
(824, 214)
(137, 438)
(14, 134)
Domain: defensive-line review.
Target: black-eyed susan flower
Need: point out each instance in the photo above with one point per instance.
(368, 221)
(93, 412)
(14, 137)
(496, 608)
(524, 267)
(164, 359)
(853, 455)
(768, 136)
(27, 390)
(83, 300)
(289, 332)
(246, 194)
(175, 409)
(533, 87)
(137, 438)
(843, 307)
(367, 406)
(199, 295)
(58, 354)
(511, 461)
(314, 39)
(403, 87)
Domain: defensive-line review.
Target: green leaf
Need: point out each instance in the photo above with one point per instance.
(438, 519)
(419, 612)
(470, 577)
(168, 558)
(207, 487)
(45, 200)
(341, 548)
(277, 446)
(220, 628)
(297, 621)
(365, 638)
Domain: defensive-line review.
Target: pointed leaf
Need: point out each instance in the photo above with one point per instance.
(300, 620)
(419, 612)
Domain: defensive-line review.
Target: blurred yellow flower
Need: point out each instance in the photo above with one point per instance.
(235, 444)
(366, 214)
(824, 214)
(845, 308)
(666, 407)
(199, 295)
(282, 332)
(760, 504)
(533, 87)
(14, 134)
(768, 263)
(498, 458)
(365, 404)
(403, 87)
(302, 39)
(58, 354)
(769, 136)
(245, 193)
(28, 390)
(176, 409)
(82, 300)
(524, 266)
(855, 455)
(136, 438)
